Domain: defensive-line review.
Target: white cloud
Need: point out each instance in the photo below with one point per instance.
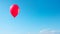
(45, 31)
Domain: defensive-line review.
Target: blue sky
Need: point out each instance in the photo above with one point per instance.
(34, 16)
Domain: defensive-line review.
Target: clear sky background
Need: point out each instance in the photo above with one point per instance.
(34, 15)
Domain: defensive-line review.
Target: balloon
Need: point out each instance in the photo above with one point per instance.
(14, 10)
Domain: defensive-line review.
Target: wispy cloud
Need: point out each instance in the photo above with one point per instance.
(46, 31)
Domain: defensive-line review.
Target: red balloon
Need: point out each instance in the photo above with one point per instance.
(14, 10)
